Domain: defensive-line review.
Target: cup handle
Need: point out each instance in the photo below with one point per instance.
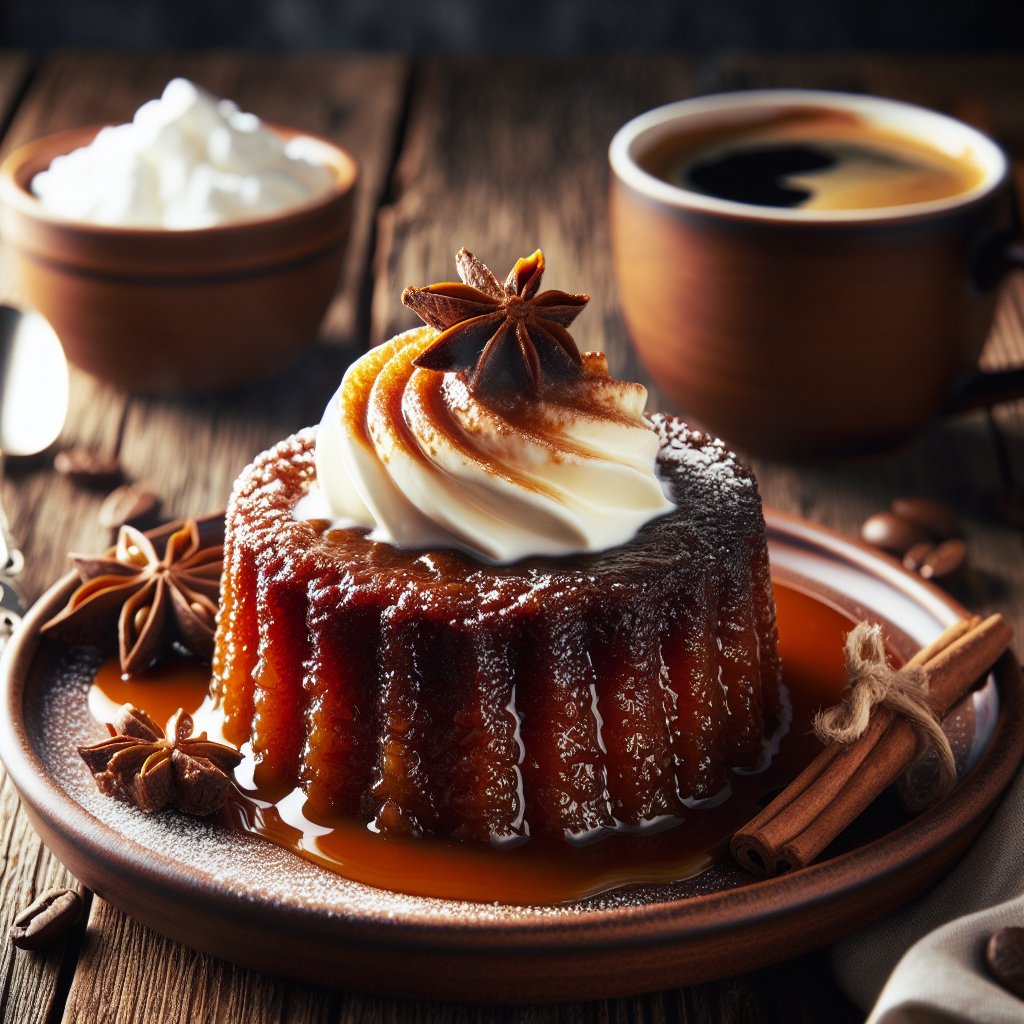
(979, 389)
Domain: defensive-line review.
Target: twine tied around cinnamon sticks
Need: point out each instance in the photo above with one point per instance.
(846, 777)
(873, 681)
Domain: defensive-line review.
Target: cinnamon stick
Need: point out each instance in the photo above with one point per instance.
(845, 778)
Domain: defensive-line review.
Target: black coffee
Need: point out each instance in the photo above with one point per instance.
(759, 174)
(814, 159)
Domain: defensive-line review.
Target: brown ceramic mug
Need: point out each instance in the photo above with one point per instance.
(803, 332)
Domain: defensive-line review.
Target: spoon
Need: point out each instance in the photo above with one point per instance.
(33, 405)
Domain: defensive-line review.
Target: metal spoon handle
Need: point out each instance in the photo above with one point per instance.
(33, 403)
(12, 610)
(12, 561)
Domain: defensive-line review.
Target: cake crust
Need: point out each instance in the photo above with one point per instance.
(430, 693)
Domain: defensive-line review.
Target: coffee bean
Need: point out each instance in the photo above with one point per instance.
(891, 533)
(89, 468)
(914, 558)
(933, 517)
(130, 505)
(47, 920)
(945, 560)
(1004, 957)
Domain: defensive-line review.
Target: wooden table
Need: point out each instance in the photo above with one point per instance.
(499, 155)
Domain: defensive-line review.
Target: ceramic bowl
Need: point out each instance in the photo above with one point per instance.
(157, 310)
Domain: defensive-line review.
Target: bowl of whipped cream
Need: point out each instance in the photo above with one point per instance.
(195, 248)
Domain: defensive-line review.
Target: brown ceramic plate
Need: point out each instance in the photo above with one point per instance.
(245, 900)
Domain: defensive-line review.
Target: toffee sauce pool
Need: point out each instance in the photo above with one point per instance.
(811, 636)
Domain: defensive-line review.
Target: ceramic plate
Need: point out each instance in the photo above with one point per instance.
(248, 901)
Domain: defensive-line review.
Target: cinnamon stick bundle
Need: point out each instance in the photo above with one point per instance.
(845, 778)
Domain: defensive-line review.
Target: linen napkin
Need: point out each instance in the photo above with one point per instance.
(925, 963)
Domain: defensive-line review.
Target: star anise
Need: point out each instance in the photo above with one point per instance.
(507, 336)
(156, 601)
(142, 766)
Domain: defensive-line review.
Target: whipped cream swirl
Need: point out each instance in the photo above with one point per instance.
(411, 454)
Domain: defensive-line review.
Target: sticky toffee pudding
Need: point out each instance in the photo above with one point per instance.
(447, 689)
(489, 632)
(429, 693)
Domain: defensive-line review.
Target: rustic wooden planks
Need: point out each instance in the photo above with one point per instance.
(128, 973)
(499, 155)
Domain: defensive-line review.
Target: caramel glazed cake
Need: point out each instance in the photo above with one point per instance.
(467, 608)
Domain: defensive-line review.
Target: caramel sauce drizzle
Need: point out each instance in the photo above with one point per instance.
(811, 639)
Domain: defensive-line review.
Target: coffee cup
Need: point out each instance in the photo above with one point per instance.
(812, 273)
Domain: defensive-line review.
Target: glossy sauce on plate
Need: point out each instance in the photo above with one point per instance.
(811, 634)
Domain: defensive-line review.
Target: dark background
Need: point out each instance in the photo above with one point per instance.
(520, 26)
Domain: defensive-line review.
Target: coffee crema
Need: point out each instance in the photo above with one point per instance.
(811, 158)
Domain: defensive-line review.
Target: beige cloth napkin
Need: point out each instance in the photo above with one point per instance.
(925, 963)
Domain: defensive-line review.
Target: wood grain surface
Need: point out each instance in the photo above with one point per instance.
(500, 156)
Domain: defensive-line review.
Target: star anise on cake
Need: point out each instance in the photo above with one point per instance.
(142, 766)
(157, 600)
(507, 337)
